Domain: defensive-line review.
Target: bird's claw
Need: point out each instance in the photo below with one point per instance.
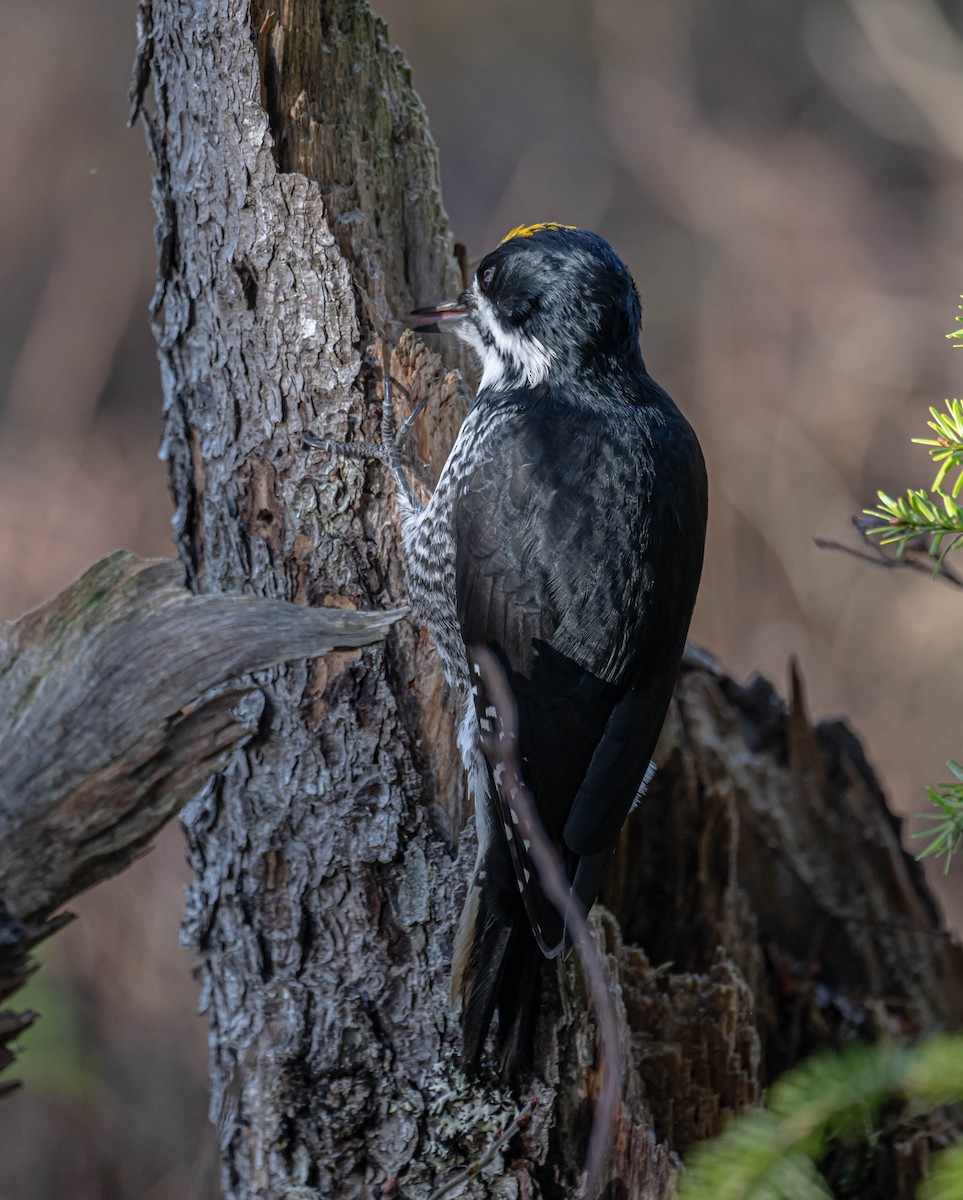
(364, 450)
(388, 451)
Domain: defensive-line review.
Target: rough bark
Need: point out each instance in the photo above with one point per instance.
(298, 204)
(110, 724)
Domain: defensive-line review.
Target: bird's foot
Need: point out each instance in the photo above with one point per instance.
(388, 451)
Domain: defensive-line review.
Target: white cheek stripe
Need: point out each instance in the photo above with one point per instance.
(527, 355)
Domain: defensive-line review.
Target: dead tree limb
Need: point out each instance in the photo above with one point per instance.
(111, 723)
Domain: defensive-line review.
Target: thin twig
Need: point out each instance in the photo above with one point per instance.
(502, 1138)
(916, 556)
(555, 883)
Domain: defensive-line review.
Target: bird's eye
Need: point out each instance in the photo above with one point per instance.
(485, 278)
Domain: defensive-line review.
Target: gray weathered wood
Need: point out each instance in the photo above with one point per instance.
(110, 724)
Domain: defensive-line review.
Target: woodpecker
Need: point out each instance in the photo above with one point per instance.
(566, 535)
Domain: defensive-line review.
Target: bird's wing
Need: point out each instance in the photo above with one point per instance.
(556, 563)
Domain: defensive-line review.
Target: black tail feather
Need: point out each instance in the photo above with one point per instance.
(517, 1002)
(496, 969)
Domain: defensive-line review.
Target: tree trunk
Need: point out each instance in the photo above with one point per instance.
(298, 204)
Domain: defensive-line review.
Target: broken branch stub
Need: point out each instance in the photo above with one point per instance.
(109, 725)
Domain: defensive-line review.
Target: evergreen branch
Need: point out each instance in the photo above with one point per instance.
(956, 337)
(913, 514)
(946, 1181)
(946, 449)
(917, 514)
(948, 799)
(930, 513)
(935, 1071)
(771, 1154)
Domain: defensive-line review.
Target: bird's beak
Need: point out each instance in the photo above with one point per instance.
(438, 314)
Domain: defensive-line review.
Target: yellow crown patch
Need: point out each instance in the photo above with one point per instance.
(528, 230)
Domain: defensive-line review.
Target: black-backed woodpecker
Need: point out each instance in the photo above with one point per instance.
(565, 534)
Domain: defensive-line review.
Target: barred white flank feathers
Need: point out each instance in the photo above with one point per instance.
(429, 544)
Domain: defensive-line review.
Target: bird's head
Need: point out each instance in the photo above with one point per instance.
(548, 303)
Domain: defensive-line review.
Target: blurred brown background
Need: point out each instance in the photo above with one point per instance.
(785, 182)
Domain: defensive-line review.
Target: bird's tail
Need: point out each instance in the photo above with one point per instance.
(496, 968)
